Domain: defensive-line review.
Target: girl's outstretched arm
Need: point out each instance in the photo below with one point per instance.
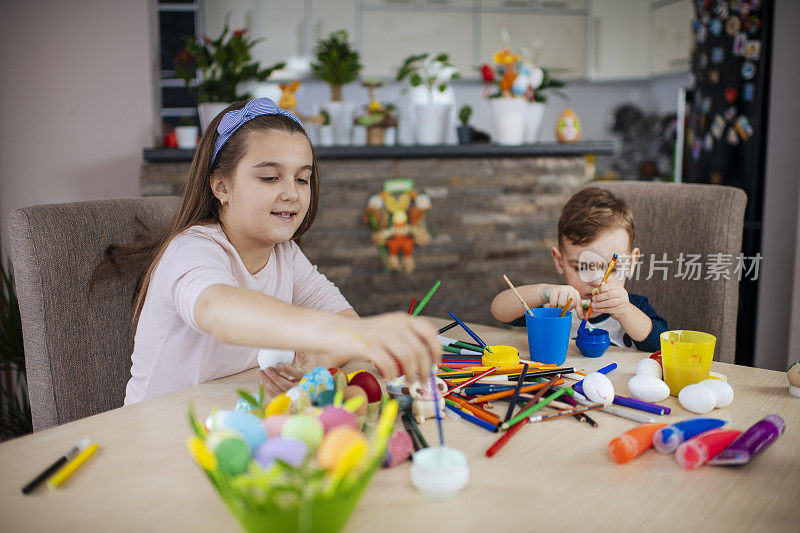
(244, 317)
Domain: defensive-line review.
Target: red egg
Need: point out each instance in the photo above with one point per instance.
(367, 381)
(657, 357)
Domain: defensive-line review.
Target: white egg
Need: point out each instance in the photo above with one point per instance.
(598, 388)
(697, 398)
(648, 388)
(648, 367)
(721, 390)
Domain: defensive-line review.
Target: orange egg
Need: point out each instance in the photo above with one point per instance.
(335, 445)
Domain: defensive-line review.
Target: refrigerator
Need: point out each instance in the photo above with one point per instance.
(725, 122)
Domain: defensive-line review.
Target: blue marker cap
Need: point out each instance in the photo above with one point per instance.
(667, 439)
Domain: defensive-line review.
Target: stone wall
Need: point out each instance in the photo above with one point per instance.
(490, 216)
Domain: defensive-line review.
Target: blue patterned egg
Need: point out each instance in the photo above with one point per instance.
(317, 380)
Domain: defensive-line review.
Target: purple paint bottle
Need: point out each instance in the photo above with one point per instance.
(751, 442)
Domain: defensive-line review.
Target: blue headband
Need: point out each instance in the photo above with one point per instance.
(234, 119)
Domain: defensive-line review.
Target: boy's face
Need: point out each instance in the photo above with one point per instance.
(584, 266)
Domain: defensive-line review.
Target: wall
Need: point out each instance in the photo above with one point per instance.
(776, 315)
(76, 100)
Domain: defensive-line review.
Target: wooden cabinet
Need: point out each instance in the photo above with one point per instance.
(672, 36)
(619, 40)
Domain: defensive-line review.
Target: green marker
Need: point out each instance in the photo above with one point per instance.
(535, 408)
(424, 301)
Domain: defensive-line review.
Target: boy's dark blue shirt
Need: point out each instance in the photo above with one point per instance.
(650, 344)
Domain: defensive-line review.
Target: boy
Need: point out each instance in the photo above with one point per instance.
(594, 225)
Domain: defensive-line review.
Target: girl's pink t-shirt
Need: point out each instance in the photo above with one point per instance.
(170, 351)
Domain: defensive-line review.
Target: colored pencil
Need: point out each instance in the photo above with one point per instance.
(470, 332)
(516, 393)
(564, 311)
(424, 301)
(605, 277)
(568, 412)
(506, 394)
(411, 307)
(448, 327)
(483, 414)
(447, 341)
(513, 288)
(469, 418)
(461, 351)
(583, 400)
(415, 428)
(476, 378)
(534, 408)
(414, 440)
(494, 448)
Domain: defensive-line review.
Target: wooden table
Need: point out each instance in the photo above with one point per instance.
(554, 475)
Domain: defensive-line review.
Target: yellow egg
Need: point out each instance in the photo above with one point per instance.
(279, 405)
(336, 444)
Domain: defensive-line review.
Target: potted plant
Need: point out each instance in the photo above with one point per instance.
(429, 76)
(15, 409)
(337, 63)
(187, 133)
(379, 119)
(214, 69)
(464, 130)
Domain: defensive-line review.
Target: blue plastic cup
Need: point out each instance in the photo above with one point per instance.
(548, 335)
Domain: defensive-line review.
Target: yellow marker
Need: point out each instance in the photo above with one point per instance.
(71, 467)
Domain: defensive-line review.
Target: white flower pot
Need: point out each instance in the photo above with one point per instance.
(341, 124)
(533, 121)
(431, 123)
(508, 118)
(187, 136)
(326, 135)
(209, 110)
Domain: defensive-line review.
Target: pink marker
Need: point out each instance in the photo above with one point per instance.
(696, 452)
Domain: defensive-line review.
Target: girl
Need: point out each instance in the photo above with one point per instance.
(229, 277)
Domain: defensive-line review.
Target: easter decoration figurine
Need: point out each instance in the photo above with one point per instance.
(396, 217)
(794, 379)
(293, 471)
(427, 402)
(568, 127)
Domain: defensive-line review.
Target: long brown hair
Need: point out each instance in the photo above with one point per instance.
(199, 205)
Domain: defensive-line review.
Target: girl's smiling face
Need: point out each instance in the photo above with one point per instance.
(268, 195)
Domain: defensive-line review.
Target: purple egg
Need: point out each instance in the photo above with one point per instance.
(290, 451)
(332, 417)
(274, 424)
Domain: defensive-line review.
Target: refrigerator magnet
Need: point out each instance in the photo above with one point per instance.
(708, 142)
(752, 24)
(716, 27)
(733, 25)
(713, 75)
(748, 70)
(731, 136)
(730, 113)
(753, 50)
(721, 10)
(739, 44)
(717, 54)
(743, 127)
(703, 60)
(698, 146)
(748, 92)
(702, 33)
(730, 95)
(718, 126)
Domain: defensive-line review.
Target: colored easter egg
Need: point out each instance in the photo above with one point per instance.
(248, 426)
(214, 420)
(352, 391)
(299, 399)
(398, 448)
(305, 428)
(324, 398)
(723, 392)
(656, 356)
(273, 425)
(697, 398)
(648, 388)
(367, 381)
(279, 405)
(649, 367)
(231, 451)
(336, 444)
(793, 374)
(290, 451)
(598, 388)
(568, 127)
(332, 417)
(316, 380)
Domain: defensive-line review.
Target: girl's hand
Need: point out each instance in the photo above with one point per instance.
(390, 341)
(560, 295)
(612, 299)
(283, 377)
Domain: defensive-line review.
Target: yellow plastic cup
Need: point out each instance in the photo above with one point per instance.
(500, 356)
(686, 357)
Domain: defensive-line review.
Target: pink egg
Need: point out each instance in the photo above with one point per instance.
(398, 449)
(332, 417)
(274, 424)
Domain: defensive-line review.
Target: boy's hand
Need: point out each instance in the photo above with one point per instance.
(611, 299)
(560, 294)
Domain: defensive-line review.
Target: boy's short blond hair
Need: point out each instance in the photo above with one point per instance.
(592, 211)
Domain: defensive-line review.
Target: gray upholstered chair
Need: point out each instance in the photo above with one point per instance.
(77, 348)
(692, 219)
